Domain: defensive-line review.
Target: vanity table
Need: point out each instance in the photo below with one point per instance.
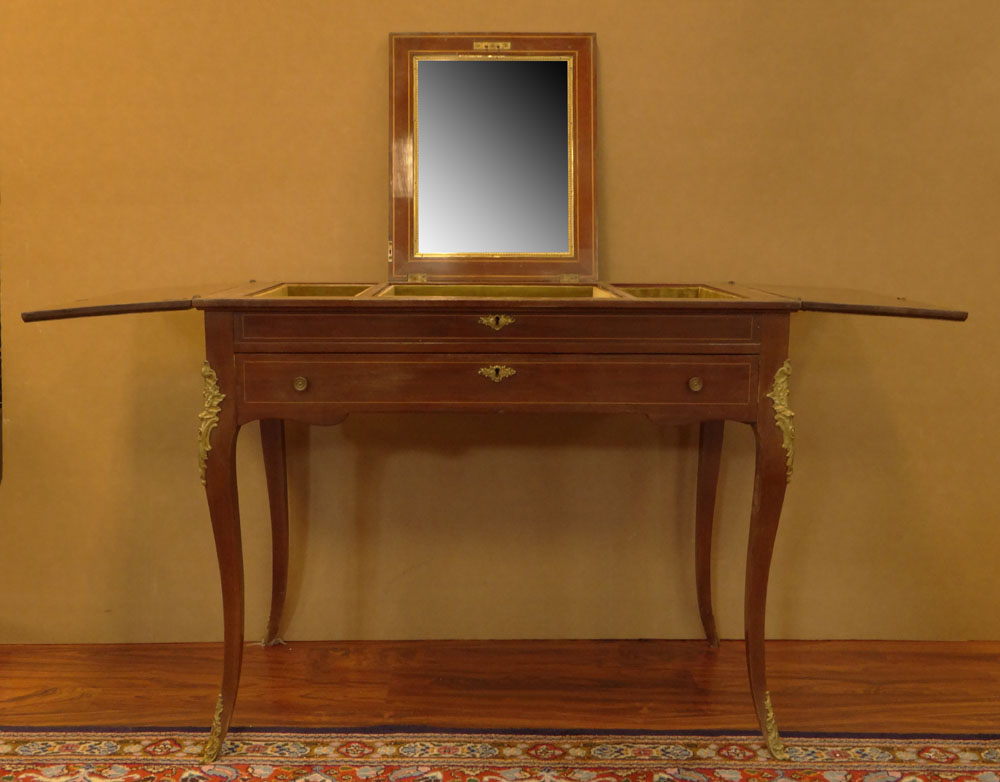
(496, 318)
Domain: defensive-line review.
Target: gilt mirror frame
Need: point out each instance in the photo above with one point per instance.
(408, 260)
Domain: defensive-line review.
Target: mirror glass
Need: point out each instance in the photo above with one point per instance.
(493, 164)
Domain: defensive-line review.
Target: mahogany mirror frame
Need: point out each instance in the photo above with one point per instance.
(580, 263)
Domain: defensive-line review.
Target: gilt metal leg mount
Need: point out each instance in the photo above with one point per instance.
(208, 418)
(783, 414)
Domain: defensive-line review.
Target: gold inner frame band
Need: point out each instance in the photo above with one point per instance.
(571, 155)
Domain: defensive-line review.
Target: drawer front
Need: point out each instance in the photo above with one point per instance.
(492, 328)
(497, 382)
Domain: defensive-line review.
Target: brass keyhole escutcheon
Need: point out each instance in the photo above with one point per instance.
(300, 383)
(497, 372)
(496, 322)
(696, 383)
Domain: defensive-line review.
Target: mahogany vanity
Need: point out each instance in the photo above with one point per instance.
(496, 323)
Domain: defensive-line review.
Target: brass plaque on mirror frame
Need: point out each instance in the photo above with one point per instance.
(492, 158)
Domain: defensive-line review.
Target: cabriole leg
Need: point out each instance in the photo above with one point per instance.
(272, 438)
(774, 440)
(218, 456)
(709, 457)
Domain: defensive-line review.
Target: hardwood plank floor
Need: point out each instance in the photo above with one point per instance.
(829, 686)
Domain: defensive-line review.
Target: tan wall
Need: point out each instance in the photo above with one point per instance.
(852, 143)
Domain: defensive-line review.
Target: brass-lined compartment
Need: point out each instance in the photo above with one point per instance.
(313, 290)
(489, 291)
(677, 292)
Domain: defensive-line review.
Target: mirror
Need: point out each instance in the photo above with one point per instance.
(492, 158)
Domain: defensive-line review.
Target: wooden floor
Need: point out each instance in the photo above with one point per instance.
(658, 685)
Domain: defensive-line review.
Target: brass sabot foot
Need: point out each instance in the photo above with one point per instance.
(214, 744)
(774, 743)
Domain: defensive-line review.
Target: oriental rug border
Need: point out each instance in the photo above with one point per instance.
(421, 755)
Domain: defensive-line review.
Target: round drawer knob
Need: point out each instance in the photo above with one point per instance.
(696, 383)
(300, 383)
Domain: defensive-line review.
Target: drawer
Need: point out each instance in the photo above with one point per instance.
(715, 384)
(493, 328)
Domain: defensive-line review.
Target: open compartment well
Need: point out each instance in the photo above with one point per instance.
(475, 291)
(677, 292)
(313, 290)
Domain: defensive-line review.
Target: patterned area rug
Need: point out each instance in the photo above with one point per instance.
(394, 755)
